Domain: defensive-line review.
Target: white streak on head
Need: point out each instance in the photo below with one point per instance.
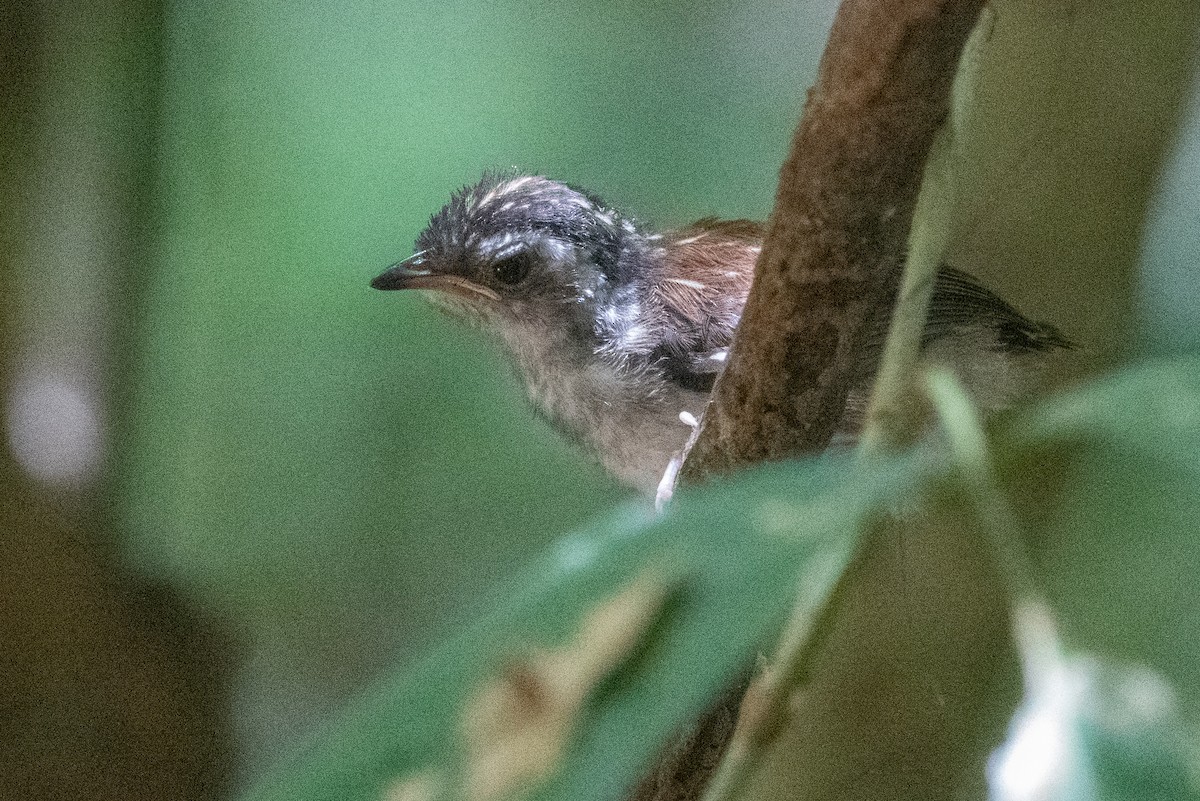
(577, 200)
(506, 188)
(498, 243)
(514, 184)
(690, 239)
(557, 249)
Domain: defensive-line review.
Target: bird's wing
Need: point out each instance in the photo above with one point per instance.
(706, 277)
(700, 292)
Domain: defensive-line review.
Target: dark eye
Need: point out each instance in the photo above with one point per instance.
(513, 269)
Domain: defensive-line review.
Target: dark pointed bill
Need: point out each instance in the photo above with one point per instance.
(401, 276)
(406, 275)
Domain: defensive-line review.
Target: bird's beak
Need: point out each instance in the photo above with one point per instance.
(403, 276)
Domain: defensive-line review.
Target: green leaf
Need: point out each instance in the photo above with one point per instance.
(1102, 479)
(1090, 728)
(734, 552)
(1169, 281)
(1106, 481)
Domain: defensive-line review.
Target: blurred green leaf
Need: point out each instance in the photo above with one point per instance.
(1107, 482)
(1079, 472)
(1091, 729)
(739, 550)
(1135, 742)
(1076, 473)
(1170, 283)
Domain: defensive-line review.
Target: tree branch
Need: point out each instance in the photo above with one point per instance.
(829, 268)
(835, 239)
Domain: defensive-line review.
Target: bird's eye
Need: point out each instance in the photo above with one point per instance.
(513, 269)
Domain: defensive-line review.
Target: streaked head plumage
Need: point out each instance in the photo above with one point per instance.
(506, 214)
(521, 248)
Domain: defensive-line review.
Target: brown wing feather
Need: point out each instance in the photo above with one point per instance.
(706, 277)
(699, 293)
(707, 272)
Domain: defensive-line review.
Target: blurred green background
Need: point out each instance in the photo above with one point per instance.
(196, 195)
(342, 469)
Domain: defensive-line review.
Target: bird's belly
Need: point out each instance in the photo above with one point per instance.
(632, 432)
(636, 449)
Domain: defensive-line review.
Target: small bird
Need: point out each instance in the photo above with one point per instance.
(619, 331)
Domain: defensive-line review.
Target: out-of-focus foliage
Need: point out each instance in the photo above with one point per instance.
(1122, 730)
(1092, 729)
(336, 471)
(339, 469)
(735, 555)
(1115, 469)
(1169, 301)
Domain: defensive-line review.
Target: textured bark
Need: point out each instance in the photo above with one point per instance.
(831, 260)
(835, 239)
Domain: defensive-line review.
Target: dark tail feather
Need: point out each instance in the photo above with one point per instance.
(959, 301)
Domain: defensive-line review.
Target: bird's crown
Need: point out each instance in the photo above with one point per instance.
(505, 214)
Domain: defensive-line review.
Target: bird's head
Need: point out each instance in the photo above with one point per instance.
(521, 254)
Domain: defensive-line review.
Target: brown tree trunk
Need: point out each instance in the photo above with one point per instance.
(888, 713)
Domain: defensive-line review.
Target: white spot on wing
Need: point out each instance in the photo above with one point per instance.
(632, 336)
(686, 282)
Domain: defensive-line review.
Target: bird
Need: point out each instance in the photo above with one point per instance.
(619, 330)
